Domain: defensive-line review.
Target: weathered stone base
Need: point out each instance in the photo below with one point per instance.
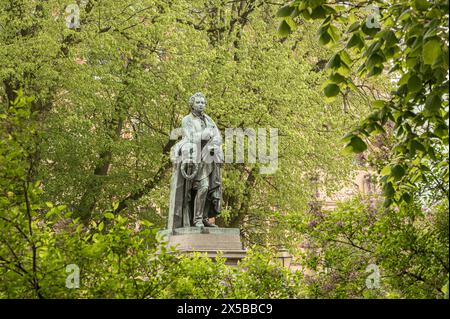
(207, 240)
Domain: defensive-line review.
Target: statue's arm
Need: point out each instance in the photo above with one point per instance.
(216, 136)
(216, 142)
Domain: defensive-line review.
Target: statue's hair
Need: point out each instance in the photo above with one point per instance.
(192, 99)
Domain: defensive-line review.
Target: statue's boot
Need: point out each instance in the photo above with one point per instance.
(199, 224)
(208, 224)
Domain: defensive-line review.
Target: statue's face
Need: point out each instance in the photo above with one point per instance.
(199, 104)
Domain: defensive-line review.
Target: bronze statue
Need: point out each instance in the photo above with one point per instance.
(196, 190)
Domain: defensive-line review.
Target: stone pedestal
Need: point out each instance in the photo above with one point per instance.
(207, 240)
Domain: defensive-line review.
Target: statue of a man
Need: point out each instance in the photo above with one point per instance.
(196, 182)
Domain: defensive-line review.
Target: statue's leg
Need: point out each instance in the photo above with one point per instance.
(200, 200)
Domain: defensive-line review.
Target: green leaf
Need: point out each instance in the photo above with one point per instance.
(414, 84)
(432, 105)
(431, 51)
(445, 290)
(375, 59)
(347, 150)
(421, 5)
(345, 57)
(355, 41)
(388, 190)
(386, 170)
(318, 13)
(441, 130)
(404, 79)
(285, 11)
(355, 26)
(284, 29)
(369, 31)
(335, 62)
(434, 13)
(432, 32)
(406, 197)
(397, 171)
(373, 48)
(414, 146)
(109, 215)
(330, 9)
(290, 22)
(390, 52)
(324, 38)
(375, 71)
(378, 104)
(334, 33)
(50, 213)
(146, 223)
(331, 90)
(356, 145)
(411, 62)
(326, 22)
(337, 78)
(347, 138)
(384, 114)
(389, 38)
(306, 15)
(405, 15)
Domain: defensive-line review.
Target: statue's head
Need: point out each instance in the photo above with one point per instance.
(197, 102)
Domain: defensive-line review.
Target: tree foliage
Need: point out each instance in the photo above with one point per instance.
(109, 92)
(409, 248)
(84, 160)
(408, 40)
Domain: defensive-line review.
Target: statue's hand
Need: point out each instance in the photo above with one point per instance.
(207, 134)
(214, 149)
